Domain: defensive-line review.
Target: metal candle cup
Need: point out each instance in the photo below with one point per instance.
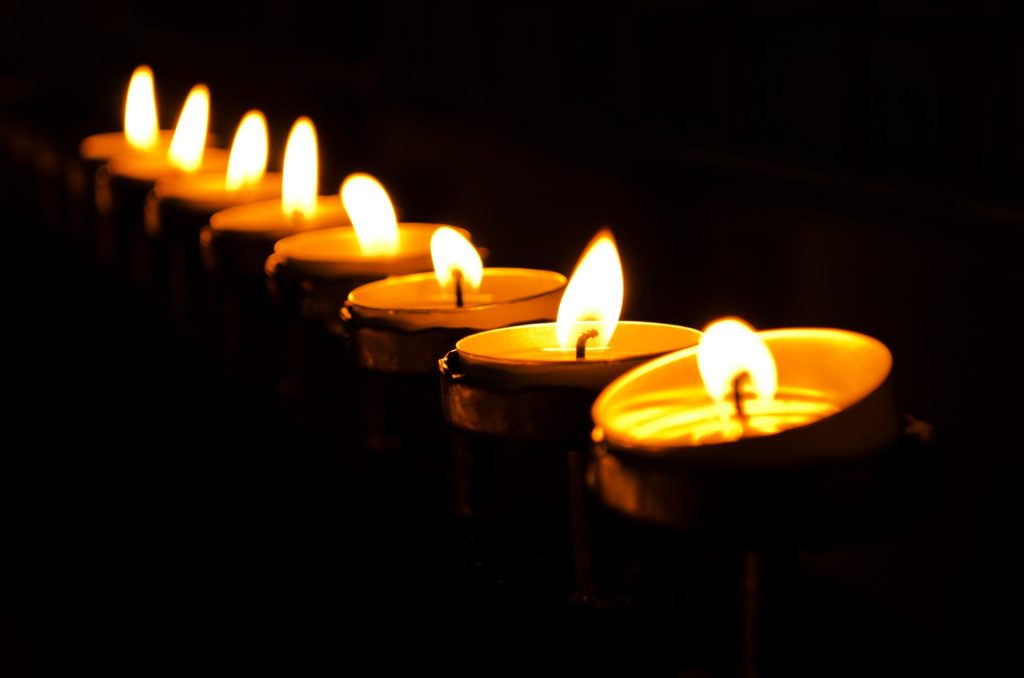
(665, 454)
(405, 324)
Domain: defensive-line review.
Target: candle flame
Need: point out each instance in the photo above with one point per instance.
(452, 251)
(248, 160)
(372, 214)
(300, 182)
(593, 297)
(140, 120)
(729, 349)
(189, 140)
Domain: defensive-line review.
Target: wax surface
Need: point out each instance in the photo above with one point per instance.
(265, 220)
(336, 251)
(662, 406)
(207, 190)
(153, 166)
(529, 355)
(506, 296)
(109, 144)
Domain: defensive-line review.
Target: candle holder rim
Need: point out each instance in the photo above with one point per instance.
(349, 228)
(578, 364)
(459, 309)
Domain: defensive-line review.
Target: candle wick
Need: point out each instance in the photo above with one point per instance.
(581, 343)
(457, 277)
(737, 397)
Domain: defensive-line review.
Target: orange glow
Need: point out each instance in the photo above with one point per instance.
(730, 348)
(372, 214)
(301, 181)
(140, 120)
(593, 298)
(248, 161)
(189, 140)
(451, 251)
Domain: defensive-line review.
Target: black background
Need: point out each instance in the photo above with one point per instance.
(856, 165)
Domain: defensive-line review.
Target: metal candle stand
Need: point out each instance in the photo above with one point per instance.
(521, 457)
(759, 511)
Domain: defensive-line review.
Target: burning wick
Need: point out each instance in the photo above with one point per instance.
(457, 278)
(737, 396)
(581, 343)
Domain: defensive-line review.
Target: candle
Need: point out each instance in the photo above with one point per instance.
(123, 184)
(235, 246)
(244, 235)
(767, 398)
(243, 180)
(141, 134)
(404, 324)
(180, 205)
(775, 432)
(583, 351)
(587, 347)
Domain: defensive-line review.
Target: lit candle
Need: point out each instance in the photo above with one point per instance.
(258, 225)
(582, 352)
(186, 153)
(180, 205)
(141, 132)
(141, 135)
(771, 397)
(237, 242)
(757, 433)
(375, 246)
(404, 324)
(587, 347)
(124, 182)
(243, 180)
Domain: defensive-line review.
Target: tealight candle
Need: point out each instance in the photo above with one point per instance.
(770, 398)
(742, 429)
(235, 246)
(577, 351)
(124, 182)
(243, 236)
(141, 134)
(404, 324)
(180, 205)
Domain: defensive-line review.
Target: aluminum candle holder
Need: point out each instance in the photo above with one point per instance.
(822, 460)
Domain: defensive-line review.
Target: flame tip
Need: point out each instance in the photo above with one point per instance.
(595, 292)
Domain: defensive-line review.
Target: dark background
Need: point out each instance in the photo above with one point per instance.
(844, 164)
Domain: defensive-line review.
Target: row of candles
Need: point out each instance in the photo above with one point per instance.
(662, 394)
